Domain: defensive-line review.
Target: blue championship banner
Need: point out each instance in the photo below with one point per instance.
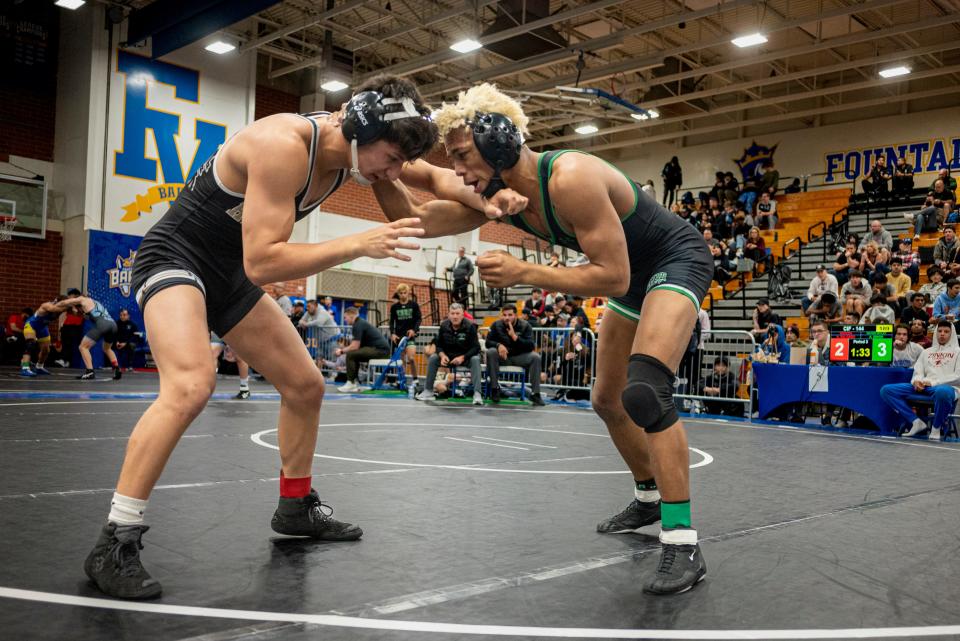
(110, 264)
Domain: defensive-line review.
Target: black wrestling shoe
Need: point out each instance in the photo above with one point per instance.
(306, 517)
(681, 565)
(87, 375)
(495, 394)
(117, 373)
(114, 564)
(634, 516)
(537, 400)
(242, 395)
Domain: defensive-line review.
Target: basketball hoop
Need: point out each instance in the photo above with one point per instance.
(7, 223)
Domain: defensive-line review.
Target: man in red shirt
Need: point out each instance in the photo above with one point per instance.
(13, 332)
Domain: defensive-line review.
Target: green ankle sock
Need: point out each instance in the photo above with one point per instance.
(674, 515)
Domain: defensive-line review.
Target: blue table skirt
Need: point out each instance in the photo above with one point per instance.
(856, 388)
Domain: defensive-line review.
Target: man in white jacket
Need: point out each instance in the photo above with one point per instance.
(936, 377)
(822, 282)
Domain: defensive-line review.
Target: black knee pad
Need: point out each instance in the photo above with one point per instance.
(648, 396)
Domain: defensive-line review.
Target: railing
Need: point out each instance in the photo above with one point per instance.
(695, 375)
(710, 297)
(783, 250)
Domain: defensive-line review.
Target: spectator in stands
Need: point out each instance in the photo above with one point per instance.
(918, 333)
(935, 287)
(368, 343)
(793, 188)
(820, 336)
(297, 313)
(770, 179)
(548, 318)
(125, 343)
(827, 308)
(327, 303)
(672, 175)
(945, 251)
(855, 295)
(905, 353)
(879, 313)
(900, 282)
(554, 260)
(878, 235)
(763, 317)
(873, 261)
(510, 342)
(716, 192)
(574, 364)
(877, 183)
(947, 304)
(902, 178)
(13, 334)
(731, 188)
(910, 259)
(936, 376)
(917, 309)
(775, 345)
(822, 282)
(879, 285)
(462, 270)
(847, 262)
(936, 211)
(721, 383)
(766, 211)
(405, 318)
(535, 304)
(753, 247)
(650, 190)
(457, 343)
(723, 265)
(577, 312)
(282, 299)
(949, 181)
(317, 324)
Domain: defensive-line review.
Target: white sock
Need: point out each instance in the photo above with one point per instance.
(245, 383)
(125, 510)
(646, 496)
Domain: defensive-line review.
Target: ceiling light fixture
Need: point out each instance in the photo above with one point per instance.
(893, 72)
(586, 129)
(750, 40)
(640, 115)
(70, 4)
(466, 45)
(334, 86)
(220, 47)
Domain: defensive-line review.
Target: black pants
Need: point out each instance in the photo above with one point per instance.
(669, 194)
(460, 292)
(902, 185)
(70, 337)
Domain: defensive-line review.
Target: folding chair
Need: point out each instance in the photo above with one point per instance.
(388, 365)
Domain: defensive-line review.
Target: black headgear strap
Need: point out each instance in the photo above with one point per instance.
(499, 142)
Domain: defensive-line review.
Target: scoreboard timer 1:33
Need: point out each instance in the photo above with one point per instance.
(861, 343)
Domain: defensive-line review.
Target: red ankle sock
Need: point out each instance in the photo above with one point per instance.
(294, 488)
(114, 363)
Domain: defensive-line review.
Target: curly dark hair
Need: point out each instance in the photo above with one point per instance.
(414, 136)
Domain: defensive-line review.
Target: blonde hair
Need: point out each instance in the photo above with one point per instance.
(403, 287)
(485, 98)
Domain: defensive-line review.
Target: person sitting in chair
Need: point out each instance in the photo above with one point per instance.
(510, 342)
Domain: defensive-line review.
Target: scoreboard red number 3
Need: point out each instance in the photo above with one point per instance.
(840, 348)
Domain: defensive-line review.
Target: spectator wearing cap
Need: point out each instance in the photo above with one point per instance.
(877, 234)
(909, 258)
(763, 317)
(821, 283)
(855, 295)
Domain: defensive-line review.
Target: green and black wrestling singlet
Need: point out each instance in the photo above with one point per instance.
(666, 252)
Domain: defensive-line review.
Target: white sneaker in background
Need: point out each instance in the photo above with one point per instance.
(349, 388)
(934, 434)
(477, 398)
(918, 426)
(426, 395)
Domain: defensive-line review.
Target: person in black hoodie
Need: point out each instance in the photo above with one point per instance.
(127, 339)
(510, 342)
(405, 318)
(722, 384)
(457, 343)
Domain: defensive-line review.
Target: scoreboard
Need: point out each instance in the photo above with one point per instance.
(861, 343)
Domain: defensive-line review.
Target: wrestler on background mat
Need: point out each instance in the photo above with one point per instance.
(227, 233)
(37, 333)
(218, 347)
(639, 254)
(104, 327)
